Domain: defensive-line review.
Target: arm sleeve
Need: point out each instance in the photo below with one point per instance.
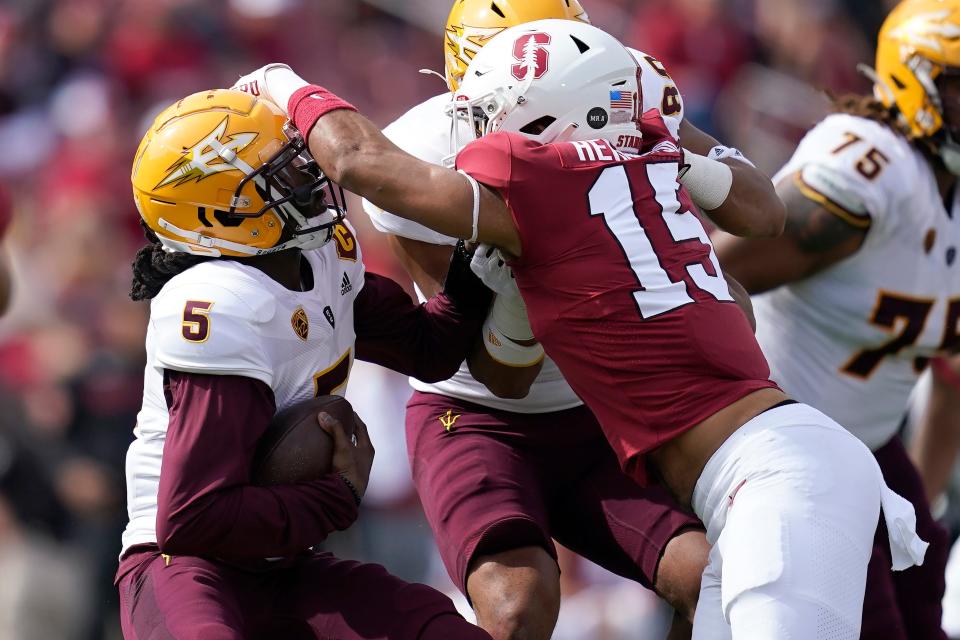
(206, 504)
(427, 341)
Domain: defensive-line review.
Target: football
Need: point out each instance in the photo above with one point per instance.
(294, 448)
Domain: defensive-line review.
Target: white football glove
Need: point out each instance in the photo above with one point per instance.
(490, 266)
(275, 82)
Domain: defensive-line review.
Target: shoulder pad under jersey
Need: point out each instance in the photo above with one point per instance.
(208, 320)
(857, 168)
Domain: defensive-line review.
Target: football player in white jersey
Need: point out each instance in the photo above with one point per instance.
(260, 300)
(863, 288)
(534, 447)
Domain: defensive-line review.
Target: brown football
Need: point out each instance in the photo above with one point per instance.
(294, 448)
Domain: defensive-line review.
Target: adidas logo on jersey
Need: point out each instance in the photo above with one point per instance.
(345, 286)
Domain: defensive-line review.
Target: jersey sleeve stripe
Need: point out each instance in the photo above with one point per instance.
(860, 221)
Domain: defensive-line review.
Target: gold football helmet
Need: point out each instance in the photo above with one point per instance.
(222, 173)
(918, 43)
(473, 22)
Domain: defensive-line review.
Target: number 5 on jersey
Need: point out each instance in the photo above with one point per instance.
(196, 320)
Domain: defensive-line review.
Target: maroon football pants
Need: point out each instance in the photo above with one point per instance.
(905, 605)
(319, 597)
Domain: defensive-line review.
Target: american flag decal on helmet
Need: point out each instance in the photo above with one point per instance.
(621, 99)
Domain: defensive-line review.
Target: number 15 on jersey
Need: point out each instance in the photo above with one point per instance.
(613, 198)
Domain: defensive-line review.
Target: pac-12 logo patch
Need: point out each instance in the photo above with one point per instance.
(531, 54)
(300, 323)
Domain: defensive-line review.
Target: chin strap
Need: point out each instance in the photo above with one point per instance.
(201, 245)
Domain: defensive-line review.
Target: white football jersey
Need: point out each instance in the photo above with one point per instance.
(424, 132)
(222, 317)
(852, 340)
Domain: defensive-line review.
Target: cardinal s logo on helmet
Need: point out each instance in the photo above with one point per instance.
(532, 56)
(209, 156)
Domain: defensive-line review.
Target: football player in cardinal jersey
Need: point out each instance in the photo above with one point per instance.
(560, 476)
(546, 468)
(863, 287)
(259, 300)
(625, 294)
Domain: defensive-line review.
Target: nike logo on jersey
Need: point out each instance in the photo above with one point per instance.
(345, 286)
(328, 314)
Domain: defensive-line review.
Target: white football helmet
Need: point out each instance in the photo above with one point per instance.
(551, 80)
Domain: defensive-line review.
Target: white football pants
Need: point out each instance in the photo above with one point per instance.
(791, 503)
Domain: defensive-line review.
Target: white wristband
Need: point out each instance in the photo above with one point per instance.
(282, 83)
(708, 181)
(476, 203)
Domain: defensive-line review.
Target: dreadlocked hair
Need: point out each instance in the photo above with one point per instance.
(870, 108)
(153, 267)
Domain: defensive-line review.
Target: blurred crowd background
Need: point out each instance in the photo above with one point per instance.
(80, 81)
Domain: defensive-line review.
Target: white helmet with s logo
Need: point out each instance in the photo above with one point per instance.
(551, 80)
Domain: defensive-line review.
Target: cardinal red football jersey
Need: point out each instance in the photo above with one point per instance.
(621, 283)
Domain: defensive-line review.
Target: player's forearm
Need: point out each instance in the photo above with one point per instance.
(205, 503)
(429, 341)
(752, 209)
(813, 240)
(248, 522)
(937, 439)
(353, 152)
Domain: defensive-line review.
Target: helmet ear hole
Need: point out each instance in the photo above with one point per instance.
(898, 82)
(497, 10)
(538, 126)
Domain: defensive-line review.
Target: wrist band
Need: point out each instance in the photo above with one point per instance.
(353, 489)
(309, 103)
(476, 203)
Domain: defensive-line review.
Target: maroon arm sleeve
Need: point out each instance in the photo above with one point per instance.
(427, 341)
(206, 504)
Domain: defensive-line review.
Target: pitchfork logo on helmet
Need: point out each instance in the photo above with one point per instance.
(918, 43)
(206, 157)
(222, 173)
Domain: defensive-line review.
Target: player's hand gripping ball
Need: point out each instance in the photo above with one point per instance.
(295, 447)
